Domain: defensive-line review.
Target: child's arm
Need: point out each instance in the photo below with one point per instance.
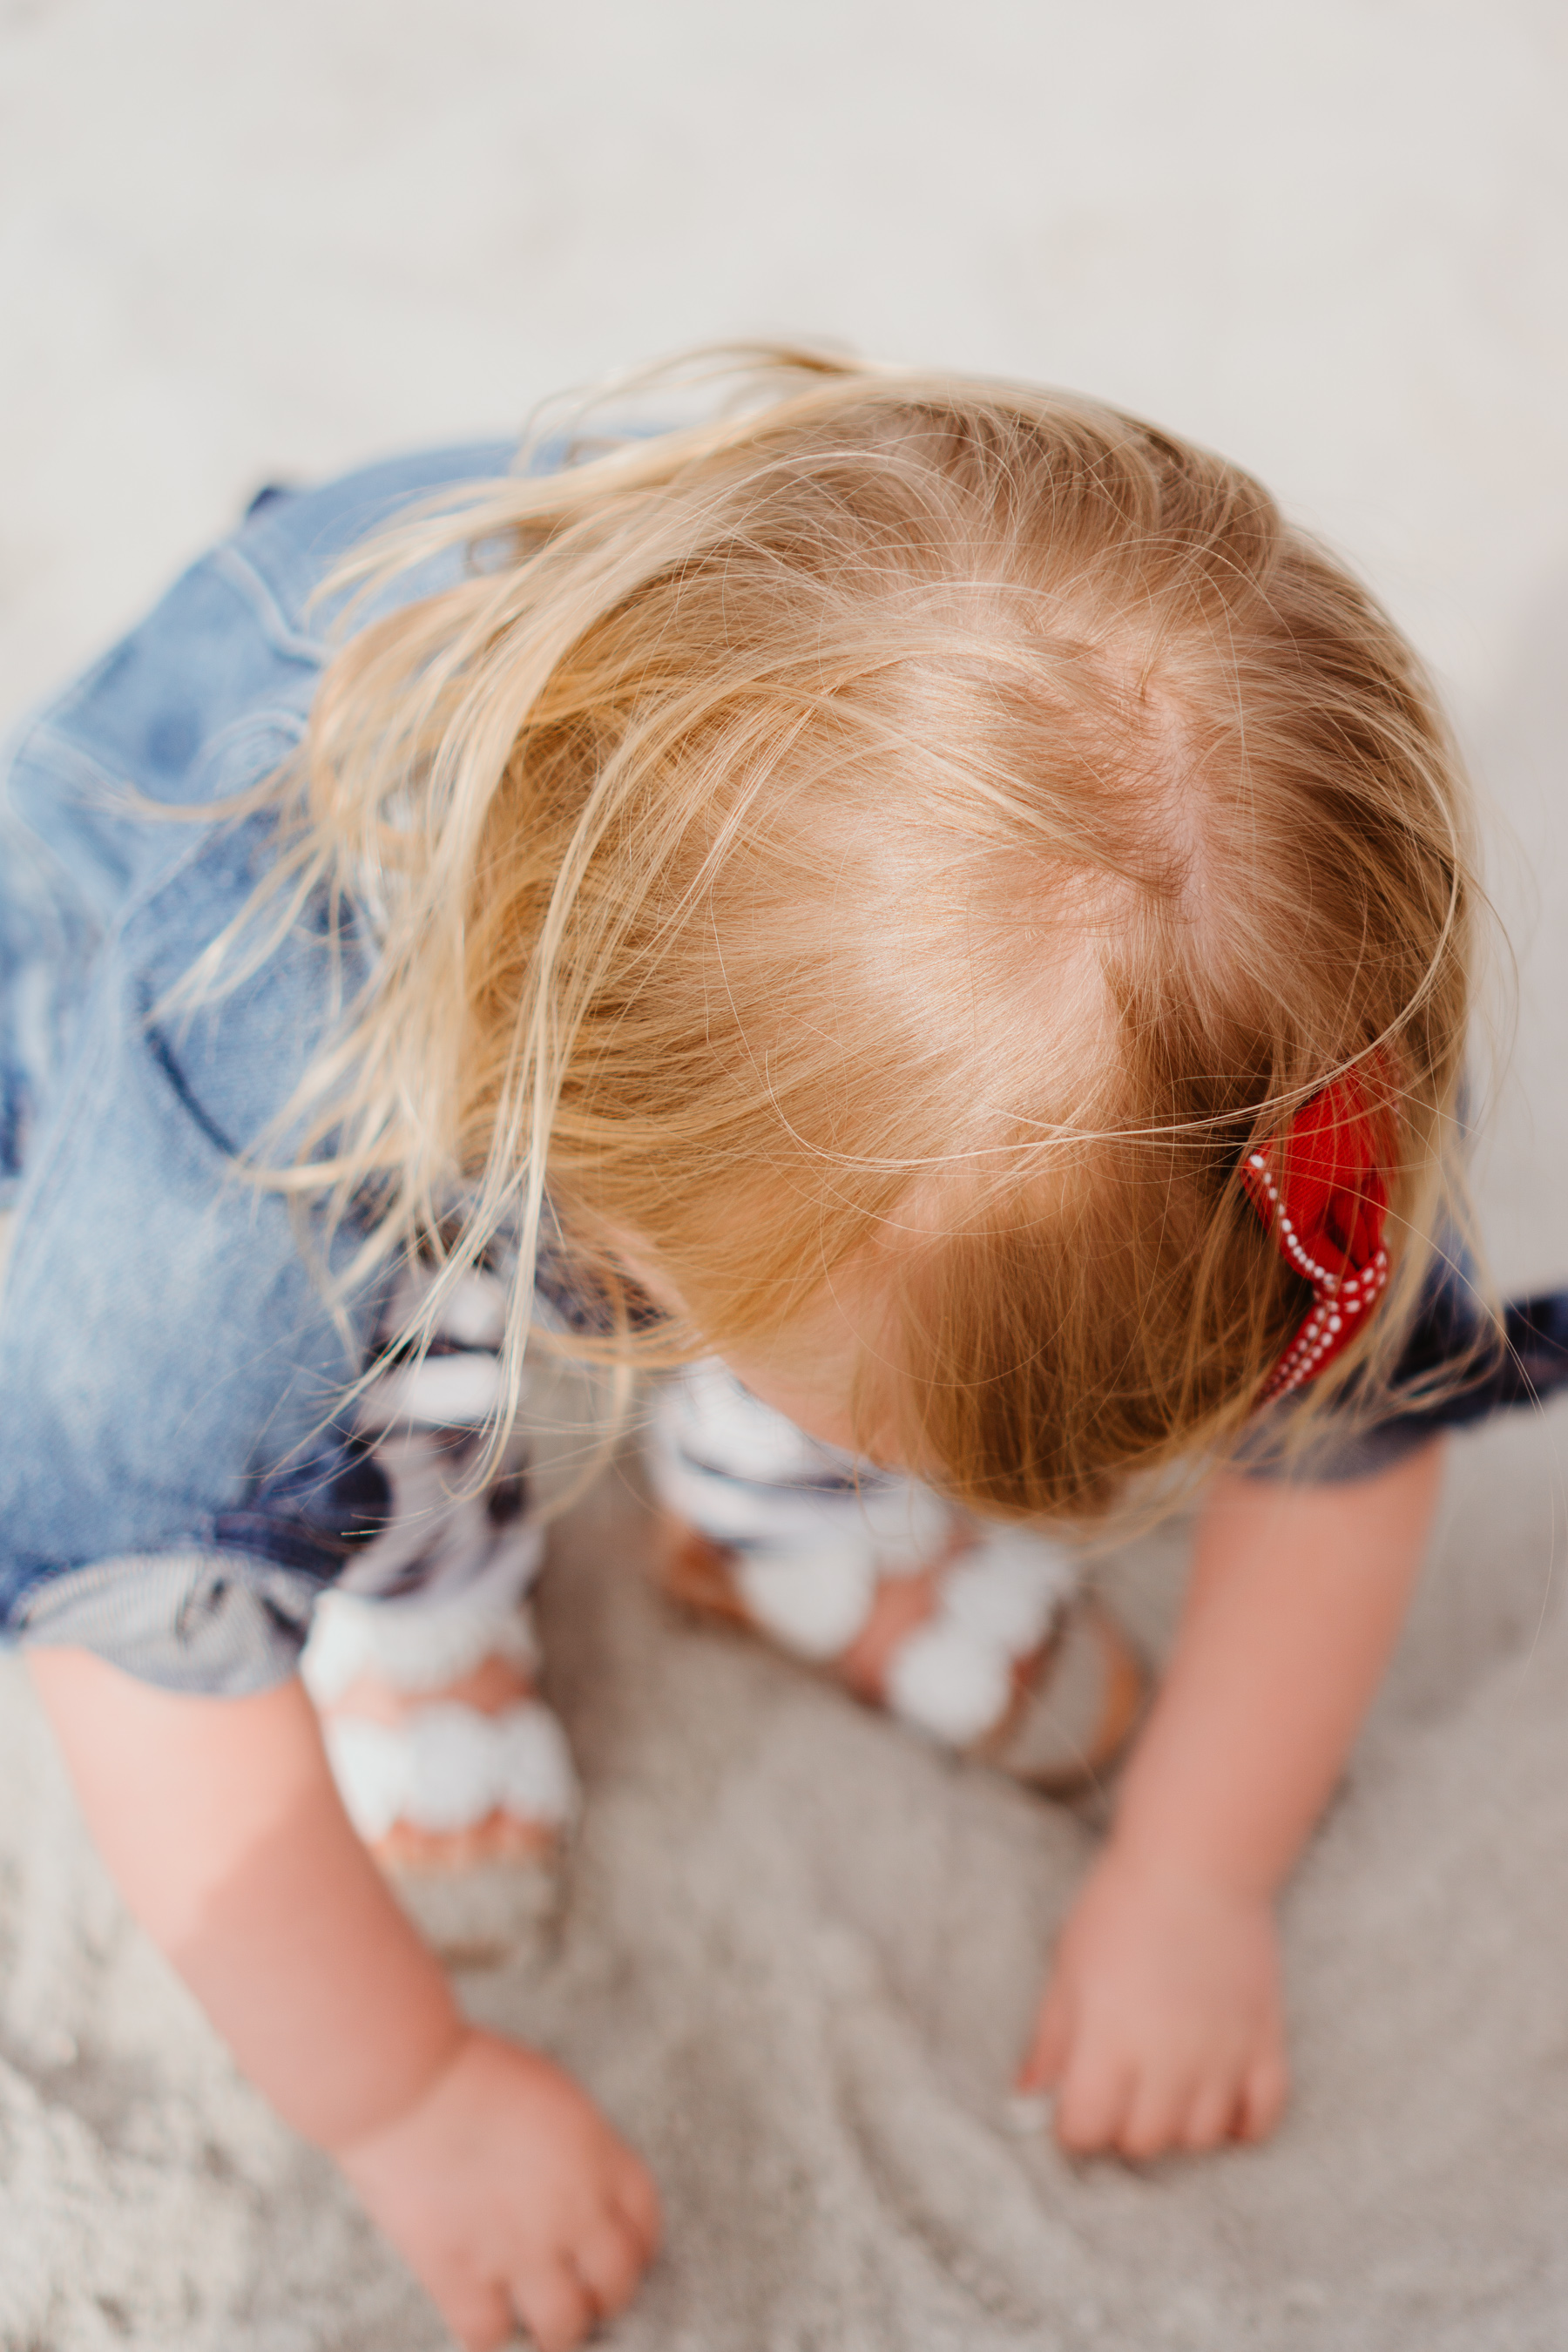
(1161, 2025)
(497, 2179)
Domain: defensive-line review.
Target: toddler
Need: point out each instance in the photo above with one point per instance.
(920, 912)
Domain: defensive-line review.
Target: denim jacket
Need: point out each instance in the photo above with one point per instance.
(168, 1359)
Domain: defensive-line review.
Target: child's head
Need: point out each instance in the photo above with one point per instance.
(903, 843)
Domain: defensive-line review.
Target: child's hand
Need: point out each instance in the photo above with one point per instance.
(511, 2197)
(497, 2179)
(1160, 2027)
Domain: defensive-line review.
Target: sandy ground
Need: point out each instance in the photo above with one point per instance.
(795, 1953)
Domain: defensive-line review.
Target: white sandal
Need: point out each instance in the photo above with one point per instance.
(993, 1651)
(444, 1767)
(1002, 1660)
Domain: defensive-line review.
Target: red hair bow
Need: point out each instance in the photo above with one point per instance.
(1322, 1190)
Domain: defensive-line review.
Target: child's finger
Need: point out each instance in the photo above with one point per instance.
(609, 2260)
(554, 2306)
(1091, 2107)
(1156, 2116)
(1042, 2069)
(1263, 2097)
(1213, 2114)
(482, 2319)
(636, 2199)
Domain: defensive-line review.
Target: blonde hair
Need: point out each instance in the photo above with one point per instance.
(909, 821)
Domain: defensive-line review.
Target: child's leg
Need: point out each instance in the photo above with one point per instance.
(979, 1637)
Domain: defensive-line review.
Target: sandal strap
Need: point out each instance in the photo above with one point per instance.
(722, 1461)
(448, 1768)
(954, 1675)
(947, 1684)
(413, 1645)
(811, 1601)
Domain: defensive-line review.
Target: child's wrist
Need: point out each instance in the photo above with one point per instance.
(1196, 1865)
(387, 2104)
